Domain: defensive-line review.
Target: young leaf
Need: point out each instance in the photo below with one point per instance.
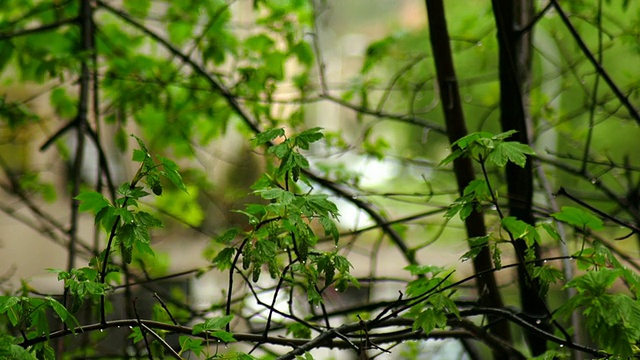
(284, 197)
(577, 217)
(512, 151)
(223, 336)
(227, 236)
(188, 343)
(268, 135)
(303, 139)
(213, 324)
(298, 330)
(551, 231)
(430, 319)
(172, 173)
(454, 155)
(521, 230)
(92, 201)
(307, 356)
(476, 244)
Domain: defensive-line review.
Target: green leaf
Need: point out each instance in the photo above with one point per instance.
(330, 228)
(476, 244)
(473, 138)
(137, 8)
(283, 197)
(578, 217)
(223, 336)
(430, 319)
(267, 136)
(424, 269)
(143, 153)
(147, 220)
(298, 330)
(443, 302)
(549, 229)
(63, 313)
(463, 206)
(521, 230)
(10, 351)
(478, 189)
(180, 31)
(303, 139)
(552, 355)
(64, 105)
(227, 236)
(188, 343)
(172, 173)
(451, 157)
(213, 324)
(92, 201)
(512, 151)
(306, 356)
(504, 135)
(496, 255)
(375, 52)
(304, 53)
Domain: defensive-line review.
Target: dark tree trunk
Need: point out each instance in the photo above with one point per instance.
(464, 172)
(515, 72)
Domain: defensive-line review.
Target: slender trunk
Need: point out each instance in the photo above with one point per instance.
(515, 73)
(464, 172)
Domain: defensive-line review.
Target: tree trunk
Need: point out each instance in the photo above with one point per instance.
(515, 72)
(464, 172)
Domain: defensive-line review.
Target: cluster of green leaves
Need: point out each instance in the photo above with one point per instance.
(433, 304)
(285, 223)
(487, 148)
(30, 316)
(124, 223)
(492, 148)
(130, 227)
(483, 147)
(85, 282)
(611, 319)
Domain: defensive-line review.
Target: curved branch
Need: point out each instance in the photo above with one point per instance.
(43, 28)
(605, 75)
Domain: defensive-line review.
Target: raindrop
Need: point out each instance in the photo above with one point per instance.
(594, 181)
(101, 330)
(354, 197)
(479, 43)
(544, 262)
(561, 345)
(538, 321)
(468, 98)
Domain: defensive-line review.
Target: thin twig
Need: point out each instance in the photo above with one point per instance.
(624, 99)
(43, 28)
(142, 329)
